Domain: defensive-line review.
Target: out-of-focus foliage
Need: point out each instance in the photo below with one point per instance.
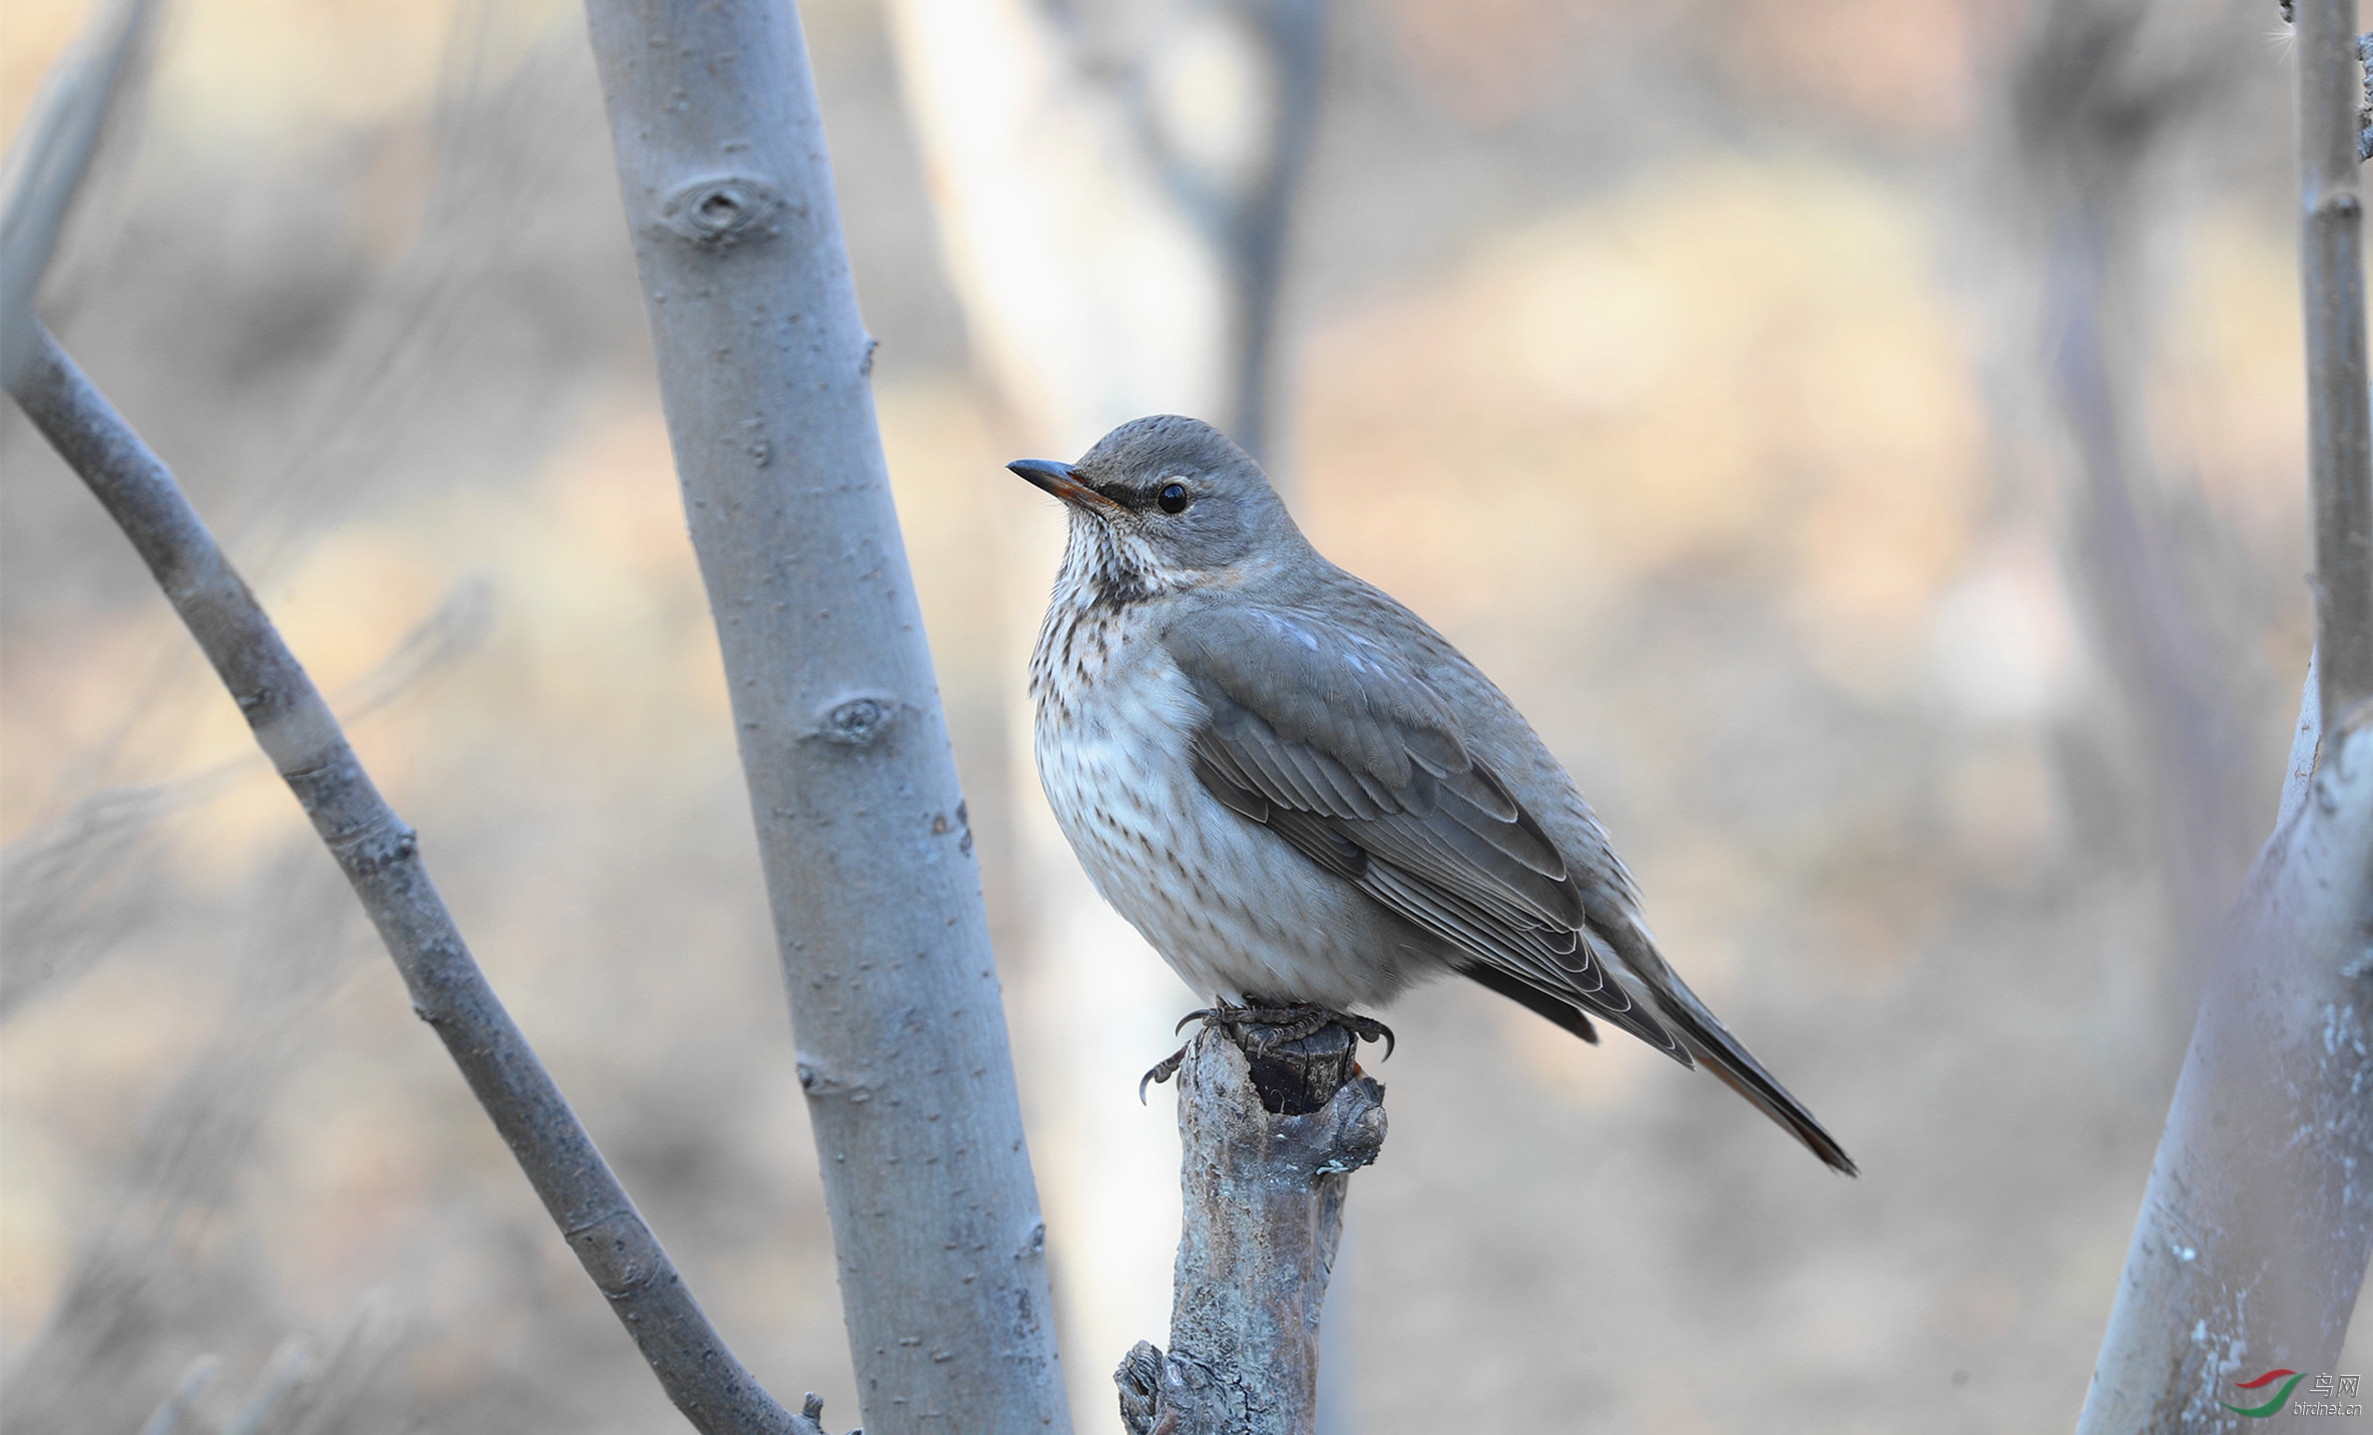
(1669, 358)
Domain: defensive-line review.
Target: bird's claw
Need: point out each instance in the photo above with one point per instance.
(1161, 1071)
(1368, 1029)
(1281, 1023)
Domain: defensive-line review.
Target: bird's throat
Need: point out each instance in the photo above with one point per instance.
(1104, 568)
(1101, 591)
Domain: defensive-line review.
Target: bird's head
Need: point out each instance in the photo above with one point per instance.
(1165, 503)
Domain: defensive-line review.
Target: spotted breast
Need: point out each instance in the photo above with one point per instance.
(1115, 719)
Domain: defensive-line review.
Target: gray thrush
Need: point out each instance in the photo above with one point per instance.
(1300, 793)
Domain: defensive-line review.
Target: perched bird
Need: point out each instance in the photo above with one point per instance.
(1301, 794)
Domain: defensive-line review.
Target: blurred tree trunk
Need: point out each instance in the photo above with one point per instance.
(1112, 185)
(764, 369)
(2258, 1220)
(2100, 90)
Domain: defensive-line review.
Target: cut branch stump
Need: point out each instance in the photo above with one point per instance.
(1268, 1143)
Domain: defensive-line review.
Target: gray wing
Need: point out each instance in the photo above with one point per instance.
(1329, 741)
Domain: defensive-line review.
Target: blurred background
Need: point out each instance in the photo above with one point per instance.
(1863, 435)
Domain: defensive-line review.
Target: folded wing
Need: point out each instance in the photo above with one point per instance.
(1323, 738)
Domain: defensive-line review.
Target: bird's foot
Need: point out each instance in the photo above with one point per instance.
(1261, 1026)
(1160, 1072)
(1300, 1052)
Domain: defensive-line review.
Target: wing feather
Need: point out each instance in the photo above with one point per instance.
(1349, 757)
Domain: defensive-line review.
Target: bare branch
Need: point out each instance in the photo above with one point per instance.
(194, 1382)
(1264, 1196)
(275, 1386)
(2257, 1223)
(763, 366)
(46, 165)
(71, 891)
(381, 859)
(1108, 271)
(2101, 90)
(1245, 218)
(74, 889)
(142, 1274)
(2331, 271)
(1295, 32)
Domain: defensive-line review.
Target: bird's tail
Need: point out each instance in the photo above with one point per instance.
(1720, 1052)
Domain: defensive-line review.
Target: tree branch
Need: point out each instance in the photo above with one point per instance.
(1107, 272)
(381, 859)
(1260, 223)
(2258, 1221)
(294, 726)
(763, 367)
(2096, 105)
(2332, 278)
(1264, 1190)
(47, 163)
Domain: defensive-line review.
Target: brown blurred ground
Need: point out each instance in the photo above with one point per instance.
(1659, 357)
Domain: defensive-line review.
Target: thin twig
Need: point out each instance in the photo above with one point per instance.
(194, 1381)
(72, 889)
(1294, 32)
(1246, 221)
(2339, 433)
(47, 163)
(291, 1364)
(381, 859)
(377, 851)
(2096, 103)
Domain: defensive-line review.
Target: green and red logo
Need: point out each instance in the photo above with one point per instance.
(2290, 1381)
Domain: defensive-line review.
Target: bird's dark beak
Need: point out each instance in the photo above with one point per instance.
(1061, 480)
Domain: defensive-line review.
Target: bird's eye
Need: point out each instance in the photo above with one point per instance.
(1173, 498)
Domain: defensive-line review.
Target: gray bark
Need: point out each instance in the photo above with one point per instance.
(2258, 1221)
(1264, 1190)
(895, 1005)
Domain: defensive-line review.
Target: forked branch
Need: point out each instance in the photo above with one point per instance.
(293, 724)
(2257, 1223)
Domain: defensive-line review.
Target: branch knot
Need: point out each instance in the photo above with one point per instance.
(720, 211)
